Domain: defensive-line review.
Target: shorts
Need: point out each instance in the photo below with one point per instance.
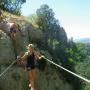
(12, 30)
(30, 68)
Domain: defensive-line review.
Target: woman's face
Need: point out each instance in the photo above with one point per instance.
(30, 49)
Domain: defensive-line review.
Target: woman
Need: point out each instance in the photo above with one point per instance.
(31, 55)
(12, 27)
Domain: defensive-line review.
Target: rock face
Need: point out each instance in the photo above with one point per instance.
(16, 78)
(9, 46)
(6, 49)
(63, 35)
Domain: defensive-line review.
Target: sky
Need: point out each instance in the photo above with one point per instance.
(73, 15)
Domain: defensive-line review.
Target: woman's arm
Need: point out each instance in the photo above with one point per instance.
(23, 57)
(38, 55)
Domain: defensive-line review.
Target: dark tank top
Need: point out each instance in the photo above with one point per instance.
(31, 60)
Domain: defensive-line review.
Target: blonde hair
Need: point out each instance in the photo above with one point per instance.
(30, 45)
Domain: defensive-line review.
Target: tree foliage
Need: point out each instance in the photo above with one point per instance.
(83, 65)
(47, 23)
(13, 6)
(32, 19)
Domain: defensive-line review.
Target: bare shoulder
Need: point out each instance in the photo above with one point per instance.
(26, 53)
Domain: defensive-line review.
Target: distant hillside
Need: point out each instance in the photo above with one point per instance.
(83, 40)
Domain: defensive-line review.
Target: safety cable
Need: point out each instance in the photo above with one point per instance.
(7, 68)
(84, 79)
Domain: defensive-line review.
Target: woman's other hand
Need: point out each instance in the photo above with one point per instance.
(41, 57)
(18, 57)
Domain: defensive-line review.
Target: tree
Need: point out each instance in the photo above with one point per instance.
(47, 23)
(13, 6)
